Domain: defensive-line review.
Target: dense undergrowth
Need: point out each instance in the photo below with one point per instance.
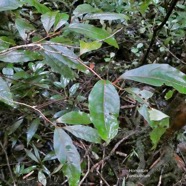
(83, 86)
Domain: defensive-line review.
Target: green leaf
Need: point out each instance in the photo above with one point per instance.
(32, 129)
(31, 155)
(15, 126)
(40, 7)
(20, 56)
(104, 105)
(23, 27)
(84, 9)
(106, 16)
(60, 56)
(74, 117)
(157, 75)
(60, 20)
(5, 42)
(139, 95)
(156, 115)
(9, 5)
(87, 47)
(65, 150)
(84, 132)
(72, 173)
(42, 178)
(48, 20)
(156, 134)
(93, 33)
(5, 94)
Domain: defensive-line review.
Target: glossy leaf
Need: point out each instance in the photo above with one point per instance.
(84, 9)
(84, 132)
(15, 126)
(60, 20)
(48, 20)
(156, 115)
(5, 94)
(106, 16)
(9, 5)
(158, 75)
(32, 129)
(40, 7)
(104, 105)
(140, 95)
(72, 173)
(93, 33)
(87, 47)
(74, 117)
(20, 56)
(61, 56)
(31, 155)
(65, 150)
(23, 27)
(42, 178)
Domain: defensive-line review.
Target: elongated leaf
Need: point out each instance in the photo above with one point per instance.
(75, 117)
(15, 126)
(42, 178)
(20, 56)
(60, 54)
(84, 9)
(9, 5)
(40, 7)
(48, 20)
(87, 47)
(104, 104)
(93, 33)
(23, 27)
(65, 150)
(32, 129)
(31, 155)
(5, 94)
(72, 173)
(84, 132)
(60, 20)
(157, 75)
(106, 16)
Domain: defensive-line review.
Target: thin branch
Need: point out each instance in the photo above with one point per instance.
(157, 29)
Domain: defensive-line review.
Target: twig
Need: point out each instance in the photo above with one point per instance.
(88, 170)
(112, 151)
(157, 29)
(7, 160)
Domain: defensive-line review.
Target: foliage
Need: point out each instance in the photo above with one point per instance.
(42, 59)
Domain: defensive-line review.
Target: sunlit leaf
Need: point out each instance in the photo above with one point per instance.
(158, 75)
(84, 132)
(93, 33)
(156, 115)
(5, 94)
(104, 105)
(75, 117)
(87, 47)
